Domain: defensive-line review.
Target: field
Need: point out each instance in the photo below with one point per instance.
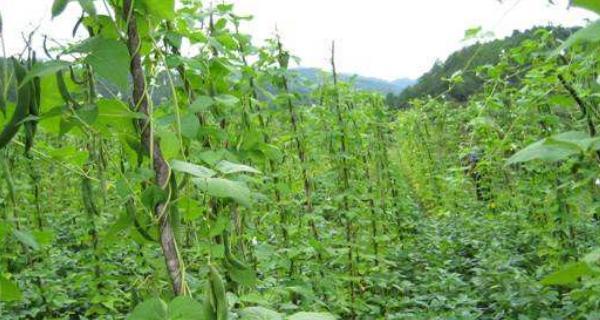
(141, 183)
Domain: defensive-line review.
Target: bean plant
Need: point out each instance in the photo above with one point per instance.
(162, 165)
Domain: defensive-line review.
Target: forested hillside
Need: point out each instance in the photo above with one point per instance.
(316, 76)
(465, 68)
(237, 195)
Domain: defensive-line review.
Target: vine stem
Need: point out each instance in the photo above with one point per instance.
(160, 166)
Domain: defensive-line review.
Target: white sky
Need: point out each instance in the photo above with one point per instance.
(388, 39)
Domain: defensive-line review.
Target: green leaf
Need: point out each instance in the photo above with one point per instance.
(87, 114)
(227, 167)
(153, 195)
(191, 209)
(592, 5)
(592, 258)
(190, 126)
(244, 276)
(259, 313)
(590, 33)
(227, 100)
(180, 308)
(185, 308)
(108, 57)
(169, 143)
(202, 103)
(58, 7)
(556, 148)
(26, 238)
(193, 169)
(152, 309)
(9, 291)
(472, 33)
(312, 316)
(219, 226)
(45, 237)
(223, 188)
(569, 274)
(579, 139)
(114, 117)
(42, 69)
(88, 7)
(164, 9)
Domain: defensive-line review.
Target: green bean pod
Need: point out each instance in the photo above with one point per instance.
(25, 97)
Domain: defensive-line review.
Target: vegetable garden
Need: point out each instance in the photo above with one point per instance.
(139, 182)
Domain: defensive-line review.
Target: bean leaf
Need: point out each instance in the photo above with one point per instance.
(109, 59)
(592, 5)
(44, 68)
(259, 313)
(227, 167)
(58, 7)
(193, 169)
(9, 290)
(223, 188)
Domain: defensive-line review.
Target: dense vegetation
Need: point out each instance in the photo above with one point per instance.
(233, 196)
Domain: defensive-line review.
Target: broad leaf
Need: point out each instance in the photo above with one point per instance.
(590, 33)
(114, 117)
(227, 167)
(26, 238)
(569, 274)
(244, 276)
(186, 308)
(58, 7)
(259, 313)
(9, 291)
(152, 309)
(109, 58)
(202, 103)
(223, 188)
(576, 138)
(193, 169)
(153, 195)
(592, 5)
(227, 100)
(164, 9)
(169, 143)
(88, 7)
(555, 148)
(42, 69)
(190, 126)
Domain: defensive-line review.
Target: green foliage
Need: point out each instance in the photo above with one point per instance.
(44, 69)
(590, 33)
(163, 9)
(9, 291)
(109, 59)
(259, 313)
(180, 308)
(58, 7)
(477, 156)
(587, 4)
(556, 148)
(239, 192)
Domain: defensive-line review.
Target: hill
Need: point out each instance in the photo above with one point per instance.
(314, 75)
(434, 82)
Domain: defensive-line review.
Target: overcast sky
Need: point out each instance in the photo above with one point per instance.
(388, 39)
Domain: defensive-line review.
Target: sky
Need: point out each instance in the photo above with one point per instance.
(387, 39)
